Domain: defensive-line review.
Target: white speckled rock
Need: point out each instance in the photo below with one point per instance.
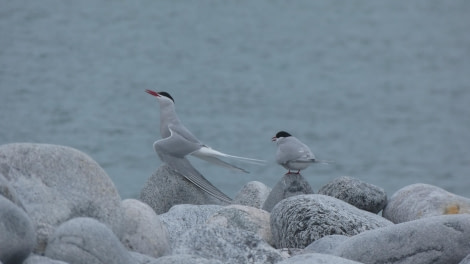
(17, 236)
(437, 240)
(315, 258)
(245, 218)
(57, 183)
(290, 185)
(181, 218)
(298, 221)
(143, 230)
(363, 195)
(252, 194)
(85, 240)
(165, 188)
(423, 200)
(227, 245)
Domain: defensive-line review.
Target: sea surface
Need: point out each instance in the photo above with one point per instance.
(382, 88)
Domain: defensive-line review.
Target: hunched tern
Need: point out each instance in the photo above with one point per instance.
(177, 142)
(292, 154)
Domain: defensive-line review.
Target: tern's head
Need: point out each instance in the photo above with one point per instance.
(281, 134)
(163, 97)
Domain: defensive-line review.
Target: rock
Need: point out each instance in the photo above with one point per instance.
(7, 191)
(466, 260)
(144, 232)
(363, 195)
(252, 194)
(181, 218)
(35, 259)
(227, 245)
(166, 188)
(17, 236)
(85, 240)
(437, 240)
(316, 258)
(245, 218)
(423, 200)
(326, 244)
(298, 221)
(56, 183)
(186, 259)
(290, 185)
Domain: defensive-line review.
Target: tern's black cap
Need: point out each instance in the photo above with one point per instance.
(282, 134)
(166, 95)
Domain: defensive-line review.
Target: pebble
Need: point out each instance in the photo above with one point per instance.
(252, 194)
(423, 200)
(144, 232)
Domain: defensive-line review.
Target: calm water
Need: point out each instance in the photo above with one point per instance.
(380, 87)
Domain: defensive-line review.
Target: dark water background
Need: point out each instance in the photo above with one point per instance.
(380, 87)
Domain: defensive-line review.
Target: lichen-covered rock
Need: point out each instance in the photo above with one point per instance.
(245, 218)
(57, 183)
(166, 188)
(181, 218)
(326, 244)
(316, 258)
(363, 195)
(85, 240)
(423, 200)
(437, 240)
(227, 245)
(252, 194)
(291, 184)
(17, 236)
(143, 230)
(298, 221)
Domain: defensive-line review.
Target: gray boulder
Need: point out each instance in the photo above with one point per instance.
(17, 236)
(466, 260)
(316, 258)
(245, 218)
(326, 244)
(7, 191)
(291, 184)
(35, 259)
(437, 240)
(143, 230)
(56, 183)
(185, 259)
(85, 240)
(298, 221)
(166, 188)
(423, 200)
(252, 194)
(181, 218)
(363, 195)
(227, 245)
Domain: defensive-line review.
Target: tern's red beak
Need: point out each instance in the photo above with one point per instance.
(152, 93)
(274, 138)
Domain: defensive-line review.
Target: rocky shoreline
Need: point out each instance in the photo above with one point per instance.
(57, 205)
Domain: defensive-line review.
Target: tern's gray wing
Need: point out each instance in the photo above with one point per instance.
(291, 149)
(182, 166)
(176, 145)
